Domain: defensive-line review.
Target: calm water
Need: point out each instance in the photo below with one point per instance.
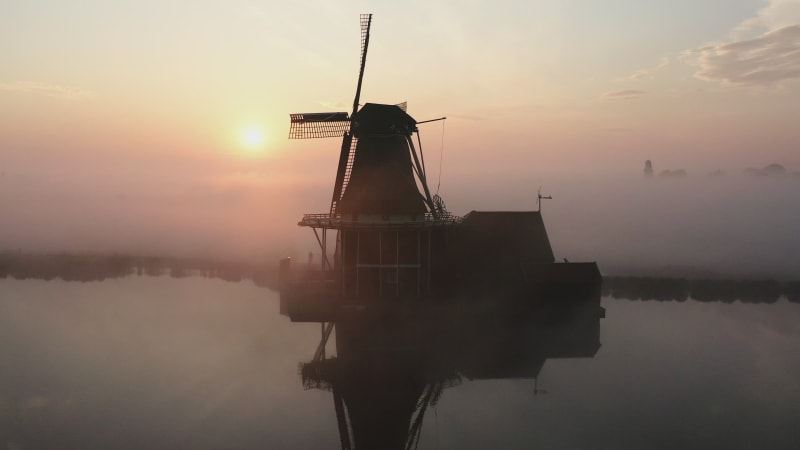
(156, 362)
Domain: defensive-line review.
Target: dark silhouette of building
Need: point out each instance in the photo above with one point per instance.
(393, 241)
(648, 169)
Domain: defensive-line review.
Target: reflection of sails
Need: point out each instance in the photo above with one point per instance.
(389, 369)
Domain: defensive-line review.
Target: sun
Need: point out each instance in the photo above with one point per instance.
(253, 139)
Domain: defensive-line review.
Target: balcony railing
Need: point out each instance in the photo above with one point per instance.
(377, 221)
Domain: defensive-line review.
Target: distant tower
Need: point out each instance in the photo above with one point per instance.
(648, 169)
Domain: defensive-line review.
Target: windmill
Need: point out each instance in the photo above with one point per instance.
(376, 154)
(401, 261)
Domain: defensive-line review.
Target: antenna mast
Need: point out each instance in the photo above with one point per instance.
(540, 197)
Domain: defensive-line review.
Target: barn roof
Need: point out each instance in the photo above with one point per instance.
(504, 235)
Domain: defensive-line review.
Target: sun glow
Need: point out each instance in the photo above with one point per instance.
(254, 139)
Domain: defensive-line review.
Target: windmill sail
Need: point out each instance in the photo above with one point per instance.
(366, 23)
(349, 142)
(318, 125)
(336, 124)
(345, 168)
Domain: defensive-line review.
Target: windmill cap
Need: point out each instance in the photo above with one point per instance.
(375, 118)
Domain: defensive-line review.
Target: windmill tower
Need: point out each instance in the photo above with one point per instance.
(389, 229)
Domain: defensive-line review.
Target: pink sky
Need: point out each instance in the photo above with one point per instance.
(133, 113)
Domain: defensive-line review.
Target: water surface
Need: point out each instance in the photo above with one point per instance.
(157, 362)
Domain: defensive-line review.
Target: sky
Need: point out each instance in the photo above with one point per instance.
(162, 126)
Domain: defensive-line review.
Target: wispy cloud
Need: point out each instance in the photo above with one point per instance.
(648, 73)
(625, 94)
(335, 106)
(766, 60)
(46, 89)
(641, 74)
(763, 50)
(776, 14)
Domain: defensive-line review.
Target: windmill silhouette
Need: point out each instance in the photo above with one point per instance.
(375, 159)
(403, 268)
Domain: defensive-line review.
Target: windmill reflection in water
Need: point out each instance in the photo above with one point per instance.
(389, 368)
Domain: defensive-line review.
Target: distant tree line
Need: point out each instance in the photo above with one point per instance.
(678, 289)
(773, 170)
(98, 267)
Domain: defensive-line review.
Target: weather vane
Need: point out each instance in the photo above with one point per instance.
(540, 197)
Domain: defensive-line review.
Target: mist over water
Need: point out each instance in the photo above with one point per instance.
(149, 362)
(158, 362)
(734, 224)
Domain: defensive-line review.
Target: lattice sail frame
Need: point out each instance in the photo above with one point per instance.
(318, 125)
